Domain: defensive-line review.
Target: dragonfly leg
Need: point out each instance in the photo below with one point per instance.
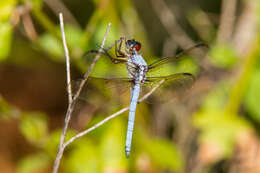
(105, 52)
(120, 56)
(118, 51)
(113, 59)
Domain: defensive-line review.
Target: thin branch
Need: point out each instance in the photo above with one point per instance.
(170, 24)
(111, 116)
(28, 26)
(227, 20)
(72, 105)
(246, 29)
(67, 58)
(92, 65)
(57, 6)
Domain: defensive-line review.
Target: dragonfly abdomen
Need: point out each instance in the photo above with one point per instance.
(130, 127)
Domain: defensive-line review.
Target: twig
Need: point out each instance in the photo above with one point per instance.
(67, 58)
(73, 102)
(28, 26)
(227, 20)
(46, 23)
(82, 83)
(170, 24)
(111, 116)
(246, 29)
(57, 6)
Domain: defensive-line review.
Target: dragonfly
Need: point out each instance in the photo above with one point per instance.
(127, 52)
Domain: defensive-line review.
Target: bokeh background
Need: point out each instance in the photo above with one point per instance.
(212, 127)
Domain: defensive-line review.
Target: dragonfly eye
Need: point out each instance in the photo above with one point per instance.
(137, 46)
(133, 44)
(130, 43)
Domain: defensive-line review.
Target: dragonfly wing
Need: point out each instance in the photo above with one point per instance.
(101, 87)
(178, 81)
(174, 85)
(174, 58)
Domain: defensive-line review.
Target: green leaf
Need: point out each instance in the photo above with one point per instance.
(73, 35)
(112, 147)
(216, 98)
(223, 56)
(36, 4)
(187, 65)
(52, 46)
(253, 96)
(83, 158)
(6, 32)
(163, 153)
(7, 111)
(257, 9)
(6, 9)
(219, 128)
(100, 32)
(34, 127)
(34, 163)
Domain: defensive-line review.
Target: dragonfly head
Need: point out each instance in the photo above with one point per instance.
(132, 45)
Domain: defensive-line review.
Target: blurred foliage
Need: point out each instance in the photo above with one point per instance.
(223, 56)
(33, 163)
(222, 113)
(220, 129)
(251, 100)
(169, 157)
(7, 8)
(34, 127)
(6, 110)
(6, 29)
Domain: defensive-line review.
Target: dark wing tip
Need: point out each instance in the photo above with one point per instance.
(188, 74)
(202, 45)
(191, 75)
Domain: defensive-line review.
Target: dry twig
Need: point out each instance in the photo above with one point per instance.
(66, 50)
(227, 20)
(170, 24)
(72, 100)
(57, 6)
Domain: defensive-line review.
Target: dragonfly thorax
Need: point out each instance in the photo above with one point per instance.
(136, 68)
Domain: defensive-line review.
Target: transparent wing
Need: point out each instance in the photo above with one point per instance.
(174, 58)
(104, 88)
(108, 77)
(117, 89)
(178, 81)
(174, 85)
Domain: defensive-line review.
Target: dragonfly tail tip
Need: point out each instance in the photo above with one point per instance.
(127, 154)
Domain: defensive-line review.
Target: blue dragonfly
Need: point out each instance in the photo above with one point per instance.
(127, 52)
